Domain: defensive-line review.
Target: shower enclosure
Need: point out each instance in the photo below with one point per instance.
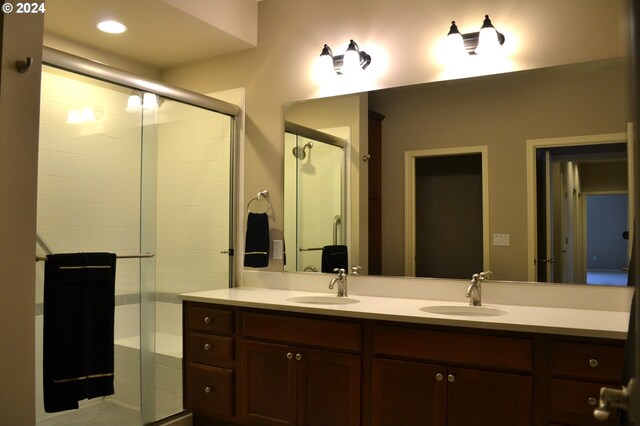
(132, 167)
(315, 195)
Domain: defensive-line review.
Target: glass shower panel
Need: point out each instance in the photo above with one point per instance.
(89, 200)
(187, 162)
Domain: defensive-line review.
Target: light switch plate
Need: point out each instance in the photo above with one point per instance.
(277, 249)
(500, 239)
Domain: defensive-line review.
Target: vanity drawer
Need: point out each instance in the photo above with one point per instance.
(207, 348)
(211, 320)
(305, 331)
(572, 402)
(586, 361)
(470, 349)
(212, 391)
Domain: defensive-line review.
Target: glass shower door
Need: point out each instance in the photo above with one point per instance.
(187, 223)
(128, 172)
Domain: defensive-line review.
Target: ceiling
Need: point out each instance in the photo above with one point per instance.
(158, 35)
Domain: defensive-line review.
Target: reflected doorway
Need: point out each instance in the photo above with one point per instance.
(568, 172)
(447, 209)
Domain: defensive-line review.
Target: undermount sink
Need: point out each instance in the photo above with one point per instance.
(465, 311)
(323, 300)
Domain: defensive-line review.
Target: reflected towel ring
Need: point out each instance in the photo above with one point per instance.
(262, 194)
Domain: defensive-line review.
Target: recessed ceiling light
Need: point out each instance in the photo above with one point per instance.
(111, 27)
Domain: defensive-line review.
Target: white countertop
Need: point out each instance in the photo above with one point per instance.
(563, 321)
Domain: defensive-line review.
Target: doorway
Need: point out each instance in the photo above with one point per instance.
(448, 213)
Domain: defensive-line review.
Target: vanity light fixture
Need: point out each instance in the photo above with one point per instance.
(484, 42)
(351, 61)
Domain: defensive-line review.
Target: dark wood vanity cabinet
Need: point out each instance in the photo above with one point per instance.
(577, 371)
(209, 362)
(247, 366)
(420, 376)
(300, 371)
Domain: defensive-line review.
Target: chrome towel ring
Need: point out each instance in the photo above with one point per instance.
(262, 194)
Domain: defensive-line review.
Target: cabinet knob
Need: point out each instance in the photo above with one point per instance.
(207, 346)
(439, 377)
(208, 389)
(289, 355)
(593, 363)
(298, 357)
(592, 401)
(451, 378)
(207, 320)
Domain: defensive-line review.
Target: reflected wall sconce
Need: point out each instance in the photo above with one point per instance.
(351, 61)
(149, 101)
(484, 42)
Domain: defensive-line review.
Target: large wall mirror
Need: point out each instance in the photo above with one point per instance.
(424, 159)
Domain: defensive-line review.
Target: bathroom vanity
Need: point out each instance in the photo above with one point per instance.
(255, 357)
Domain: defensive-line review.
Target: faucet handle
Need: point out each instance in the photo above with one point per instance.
(341, 272)
(483, 275)
(355, 269)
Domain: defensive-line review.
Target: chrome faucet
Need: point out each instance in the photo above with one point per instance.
(474, 291)
(341, 279)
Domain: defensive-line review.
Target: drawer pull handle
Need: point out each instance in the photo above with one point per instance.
(207, 346)
(208, 389)
(298, 357)
(207, 320)
(592, 401)
(289, 355)
(451, 378)
(593, 363)
(439, 377)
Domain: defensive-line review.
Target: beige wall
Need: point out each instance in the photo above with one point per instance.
(21, 36)
(403, 39)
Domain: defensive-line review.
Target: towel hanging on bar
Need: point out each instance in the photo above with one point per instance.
(78, 328)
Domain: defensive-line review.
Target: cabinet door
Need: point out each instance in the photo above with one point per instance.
(481, 398)
(268, 393)
(409, 394)
(329, 388)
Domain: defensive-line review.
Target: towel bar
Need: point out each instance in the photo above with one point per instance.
(123, 256)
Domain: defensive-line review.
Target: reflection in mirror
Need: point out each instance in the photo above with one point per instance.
(314, 195)
(582, 208)
(498, 112)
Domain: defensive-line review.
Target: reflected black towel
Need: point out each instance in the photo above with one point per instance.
(79, 292)
(256, 245)
(334, 257)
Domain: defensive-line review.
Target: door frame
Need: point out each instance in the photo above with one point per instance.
(533, 144)
(410, 199)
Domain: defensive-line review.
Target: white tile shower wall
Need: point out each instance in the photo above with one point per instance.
(89, 174)
(193, 199)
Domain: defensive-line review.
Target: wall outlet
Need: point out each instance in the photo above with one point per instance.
(500, 239)
(277, 249)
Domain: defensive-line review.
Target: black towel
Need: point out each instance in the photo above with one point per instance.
(256, 246)
(79, 292)
(334, 257)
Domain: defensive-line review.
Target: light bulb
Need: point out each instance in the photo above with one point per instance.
(74, 117)
(149, 101)
(134, 104)
(488, 43)
(87, 114)
(351, 62)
